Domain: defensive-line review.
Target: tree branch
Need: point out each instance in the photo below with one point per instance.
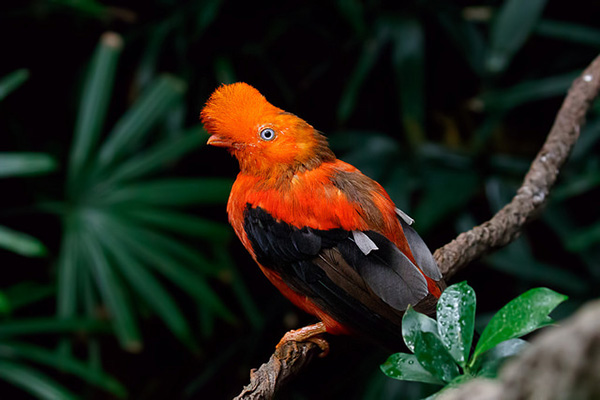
(504, 227)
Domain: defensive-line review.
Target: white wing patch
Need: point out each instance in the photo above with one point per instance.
(364, 243)
(404, 216)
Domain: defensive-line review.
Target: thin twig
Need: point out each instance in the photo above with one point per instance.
(500, 230)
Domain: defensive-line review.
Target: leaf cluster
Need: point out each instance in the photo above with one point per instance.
(443, 351)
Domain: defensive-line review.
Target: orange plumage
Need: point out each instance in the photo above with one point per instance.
(328, 237)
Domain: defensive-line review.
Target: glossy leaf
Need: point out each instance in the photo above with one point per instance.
(413, 324)
(405, 367)
(25, 164)
(456, 320)
(33, 382)
(519, 317)
(12, 81)
(510, 29)
(433, 356)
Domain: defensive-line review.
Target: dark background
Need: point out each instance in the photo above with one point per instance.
(443, 102)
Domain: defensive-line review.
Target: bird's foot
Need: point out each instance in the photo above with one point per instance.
(310, 333)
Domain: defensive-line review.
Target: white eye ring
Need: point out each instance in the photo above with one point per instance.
(267, 134)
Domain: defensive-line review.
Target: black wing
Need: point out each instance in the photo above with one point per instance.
(361, 279)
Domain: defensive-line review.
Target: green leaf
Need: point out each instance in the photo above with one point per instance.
(89, 7)
(405, 367)
(172, 192)
(144, 283)
(585, 238)
(368, 58)
(408, 59)
(148, 246)
(206, 15)
(433, 356)
(12, 81)
(5, 305)
(25, 293)
(528, 91)
(353, 12)
(568, 31)
(413, 323)
(179, 223)
(68, 260)
(239, 287)
(21, 243)
(66, 364)
(25, 164)
(510, 29)
(113, 294)
(586, 143)
(490, 361)
(517, 318)
(42, 326)
(33, 382)
(138, 120)
(467, 39)
(523, 264)
(224, 70)
(156, 158)
(456, 187)
(456, 320)
(94, 104)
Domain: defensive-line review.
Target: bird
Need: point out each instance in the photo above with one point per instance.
(326, 235)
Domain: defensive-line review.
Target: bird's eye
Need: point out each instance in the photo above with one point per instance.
(267, 134)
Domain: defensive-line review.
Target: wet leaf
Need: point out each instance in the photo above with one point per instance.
(433, 356)
(456, 320)
(413, 323)
(519, 317)
(405, 367)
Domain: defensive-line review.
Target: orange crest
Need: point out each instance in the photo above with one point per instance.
(237, 111)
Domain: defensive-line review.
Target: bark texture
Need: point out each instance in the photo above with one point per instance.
(563, 363)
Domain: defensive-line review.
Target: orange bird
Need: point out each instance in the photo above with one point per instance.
(327, 236)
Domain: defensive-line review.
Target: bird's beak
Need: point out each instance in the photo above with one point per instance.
(219, 141)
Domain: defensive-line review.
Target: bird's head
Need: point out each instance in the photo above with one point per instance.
(265, 139)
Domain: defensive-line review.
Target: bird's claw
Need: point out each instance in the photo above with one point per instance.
(309, 333)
